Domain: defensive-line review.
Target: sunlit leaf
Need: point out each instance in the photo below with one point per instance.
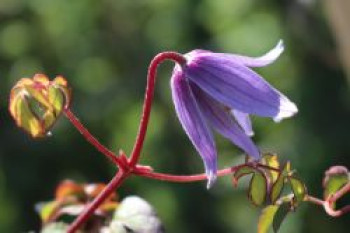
(56, 100)
(271, 160)
(68, 188)
(47, 210)
(25, 118)
(266, 218)
(257, 189)
(35, 104)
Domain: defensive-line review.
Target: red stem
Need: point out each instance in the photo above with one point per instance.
(91, 139)
(194, 178)
(147, 104)
(125, 169)
(111, 187)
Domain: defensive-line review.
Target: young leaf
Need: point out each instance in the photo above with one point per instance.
(36, 103)
(243, 171)
(47, 210)
(271, 160)
(266, 218)
(335, 178)
(258, 189)
(277, 187)
(298, 188)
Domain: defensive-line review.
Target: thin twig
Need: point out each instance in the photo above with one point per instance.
(90, 138)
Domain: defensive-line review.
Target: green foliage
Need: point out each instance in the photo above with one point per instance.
(279, 183)
(257, 189)
(266, 218)
(335, 178)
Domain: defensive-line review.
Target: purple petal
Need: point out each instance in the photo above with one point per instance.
(221, 119)
(237, 86)
(193, 122)
(244, 121)
(263, 60)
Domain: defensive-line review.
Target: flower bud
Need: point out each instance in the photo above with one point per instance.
(35, 104)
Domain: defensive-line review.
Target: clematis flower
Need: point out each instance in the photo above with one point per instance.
(218, 91)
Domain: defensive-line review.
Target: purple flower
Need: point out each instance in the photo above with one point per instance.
(219, 91)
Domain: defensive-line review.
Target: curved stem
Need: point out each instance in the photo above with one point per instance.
(91, 139)
(90, 209)
(147, 104)
(335, 213)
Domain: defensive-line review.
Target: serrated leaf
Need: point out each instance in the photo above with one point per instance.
(257, 189)
(280, 215)
(298, 188)
(243, 171)
(277, 187)
(266, 218)
(271, 160)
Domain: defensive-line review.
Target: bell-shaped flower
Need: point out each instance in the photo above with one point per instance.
(218, 91)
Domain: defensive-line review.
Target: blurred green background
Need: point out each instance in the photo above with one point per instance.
(104, 47)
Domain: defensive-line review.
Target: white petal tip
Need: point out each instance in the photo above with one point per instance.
(250, 133)
(280, 45)
(211, 179)
(287, 109)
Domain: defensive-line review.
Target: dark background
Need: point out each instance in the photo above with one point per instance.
(103, 48)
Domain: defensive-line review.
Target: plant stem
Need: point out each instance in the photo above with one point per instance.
(89, 210)
(90, 138)
(147, 104)
(125, 169)
(196, 177)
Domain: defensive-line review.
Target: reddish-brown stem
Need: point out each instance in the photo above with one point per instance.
(335, 213)
(91, 139)
(147, 104)
(125, 169)
(196, 177)
(327, 206)
(314, 200)
(111, 187)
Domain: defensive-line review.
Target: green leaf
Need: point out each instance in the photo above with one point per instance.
(277, 187)
(56, 100)
(257, 189)
(25, 117)
(47, 210)
(271, 160)
(243, 171)
(336, 177)
(280, 215)
(266, 218)
(298, 188)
